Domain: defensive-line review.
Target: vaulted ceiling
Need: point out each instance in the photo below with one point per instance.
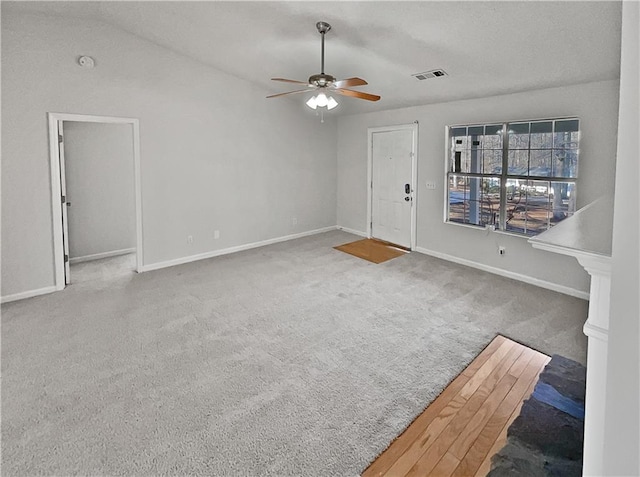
(486, 48)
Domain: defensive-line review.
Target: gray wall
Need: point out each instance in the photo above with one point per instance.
(595, 103)
(215, 154)
(622, 415)
(100, 187)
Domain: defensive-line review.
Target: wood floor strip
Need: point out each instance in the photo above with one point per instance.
(445, 467)
(484, 356)
(501, 440)
(467, 424)
(427, 462)
(477, 449)
(384, 462)
(519, 366)
(486, 369)
(424, 441)
(456, 415)
(477, 424)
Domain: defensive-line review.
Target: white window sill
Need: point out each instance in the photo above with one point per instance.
(488, 230)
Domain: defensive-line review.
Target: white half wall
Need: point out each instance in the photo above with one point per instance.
(215, 154)
(99, 178)
(596, 104)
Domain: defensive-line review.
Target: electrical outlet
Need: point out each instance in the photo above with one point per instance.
(502, 250)
(216, 234)
(431, 185)
(294, 221)
(189, 239)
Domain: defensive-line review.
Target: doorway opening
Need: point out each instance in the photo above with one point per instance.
(392, 172)
(96, 197)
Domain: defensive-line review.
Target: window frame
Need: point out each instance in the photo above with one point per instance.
(504, 176)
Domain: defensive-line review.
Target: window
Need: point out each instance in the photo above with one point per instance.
(519, 177)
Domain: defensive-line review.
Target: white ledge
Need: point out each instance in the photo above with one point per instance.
(586, 235)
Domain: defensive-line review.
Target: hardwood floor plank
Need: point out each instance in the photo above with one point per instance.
(476, 445)
(491, 376)
(445, 467)
(484, 355)
(524, 359)
(403, 442)
(430, 435)
(463, 427)
(477, 424)
(501, 440)
(384, 462)
(486, 369)
(500, 362)
(435, 452)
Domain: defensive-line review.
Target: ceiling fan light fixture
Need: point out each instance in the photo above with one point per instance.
(312, 103)
(322, 100)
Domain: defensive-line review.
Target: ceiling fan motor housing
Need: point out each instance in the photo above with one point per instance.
(321, 80)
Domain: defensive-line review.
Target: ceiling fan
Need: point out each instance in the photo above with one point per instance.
(326, 84)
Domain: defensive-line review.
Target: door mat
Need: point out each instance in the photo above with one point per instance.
(547, 437)
(373, 250)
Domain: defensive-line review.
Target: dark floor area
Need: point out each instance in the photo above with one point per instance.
(546, 439)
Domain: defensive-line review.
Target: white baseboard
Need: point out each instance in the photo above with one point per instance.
(98, 256)
(352, 231)
(505, 273)
(225, 251)
(27, 294)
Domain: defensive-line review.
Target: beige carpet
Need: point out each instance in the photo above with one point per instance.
(292, 359)
(105, 269)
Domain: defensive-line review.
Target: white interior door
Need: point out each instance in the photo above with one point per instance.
(63, 204)
(392, 185)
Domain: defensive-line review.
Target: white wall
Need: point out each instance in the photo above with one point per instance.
(595, 103)
(100, 187)
(215, 154)
(622, 414)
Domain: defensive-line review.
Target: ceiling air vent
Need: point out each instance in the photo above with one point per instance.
(429, 74)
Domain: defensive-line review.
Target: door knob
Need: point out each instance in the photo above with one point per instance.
(68, 204)
(407, 199)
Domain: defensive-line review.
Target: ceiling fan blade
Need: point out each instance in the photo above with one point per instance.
(349, 82)
(357, 94)
(289, 92)
(289, 80)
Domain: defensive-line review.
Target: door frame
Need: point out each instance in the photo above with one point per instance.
(413, 127)
(56, 209)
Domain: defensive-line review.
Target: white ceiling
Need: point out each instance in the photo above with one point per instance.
(487, 48)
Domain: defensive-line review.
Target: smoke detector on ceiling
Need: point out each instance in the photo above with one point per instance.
(86, 62)
(430, 74)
